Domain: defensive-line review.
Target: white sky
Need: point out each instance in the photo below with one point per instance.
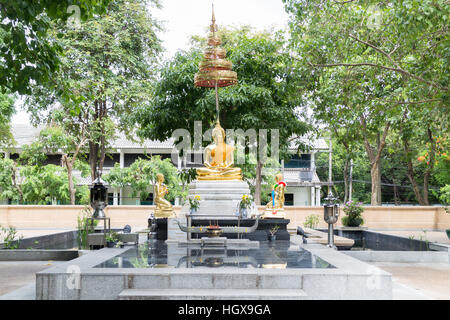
(183, 18)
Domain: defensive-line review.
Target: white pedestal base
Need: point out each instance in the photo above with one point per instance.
(217, 198)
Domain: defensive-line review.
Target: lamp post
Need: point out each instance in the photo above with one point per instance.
(330, 215)
(99, 193)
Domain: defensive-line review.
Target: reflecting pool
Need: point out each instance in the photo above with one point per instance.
(158, 254)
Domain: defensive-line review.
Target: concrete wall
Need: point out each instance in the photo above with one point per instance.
(21, 216)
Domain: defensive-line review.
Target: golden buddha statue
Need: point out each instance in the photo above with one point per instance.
(219, 159)
(275, 207)
(163, 207)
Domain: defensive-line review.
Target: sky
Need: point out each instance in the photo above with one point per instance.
(183, 18)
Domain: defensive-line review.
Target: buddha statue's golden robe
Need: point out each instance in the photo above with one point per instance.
(164, 208)
(219, 159)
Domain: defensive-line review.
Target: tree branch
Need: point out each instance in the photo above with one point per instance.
(326, 65)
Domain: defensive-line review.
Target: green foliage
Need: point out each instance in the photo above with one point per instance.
(371, 68)
(9, 180)
(274, 229)
(270, 168)
(82, 226)
(112, 237)
(194, 203)
(83, 195)
(141, 176)
(444, 195)
(9, 239)
(246, 202)
(353, 211)
(6, 112)
(36, 184)
(142, 260)
(264, 98)
(311, 221)
(25, 50)
(44, 184)
(106, 71)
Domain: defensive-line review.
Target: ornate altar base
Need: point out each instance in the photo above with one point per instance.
(261, 233)
(217, 197)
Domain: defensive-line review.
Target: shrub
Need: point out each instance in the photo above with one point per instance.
(82, 221)
(311, 221)
(353, 210)
(8, 236)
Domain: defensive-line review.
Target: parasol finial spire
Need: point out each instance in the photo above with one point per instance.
(213, 26)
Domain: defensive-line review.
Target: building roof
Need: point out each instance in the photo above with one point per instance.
(25, 134)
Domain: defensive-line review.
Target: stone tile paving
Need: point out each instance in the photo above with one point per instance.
(428, 279)
(15, 274)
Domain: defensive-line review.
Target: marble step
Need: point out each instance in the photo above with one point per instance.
(212, 294)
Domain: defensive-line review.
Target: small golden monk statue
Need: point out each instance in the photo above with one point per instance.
(219, 159)
(275, 207)
(163, 207)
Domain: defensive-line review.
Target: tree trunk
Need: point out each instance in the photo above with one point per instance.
(346, 179)
(16, 184)
(93, 159)
(69, 166)
(258, 179)
(396, 197)
(410, 174)
(427, 174)
(374, 156)
(375, 199)
(97, 148)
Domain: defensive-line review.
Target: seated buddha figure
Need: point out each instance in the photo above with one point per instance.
(275, 207)
(219, 159)
(163, 207)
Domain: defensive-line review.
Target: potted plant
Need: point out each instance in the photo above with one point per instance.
(194, 204)
(244, 205)
(111, 239)
(272, 233)
(353, 211)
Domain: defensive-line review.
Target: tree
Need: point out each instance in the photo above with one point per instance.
(56, 139)
(367, 60)
(142, 174)
(422, 133)
(264, 98)
(28, 181)
(405, 38)
(106, 71)
(10, 181)
(268, 171)
(26, 54)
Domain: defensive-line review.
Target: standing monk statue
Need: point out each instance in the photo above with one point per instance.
(163, 207)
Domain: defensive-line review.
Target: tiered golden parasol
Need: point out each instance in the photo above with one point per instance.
(215, 70)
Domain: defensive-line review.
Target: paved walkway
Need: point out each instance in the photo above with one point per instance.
(16, 274)
(418, 280)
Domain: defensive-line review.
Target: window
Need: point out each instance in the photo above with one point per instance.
(110, 199)
(302, 161)
(288, 199)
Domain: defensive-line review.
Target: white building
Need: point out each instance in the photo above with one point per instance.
(303, 184)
